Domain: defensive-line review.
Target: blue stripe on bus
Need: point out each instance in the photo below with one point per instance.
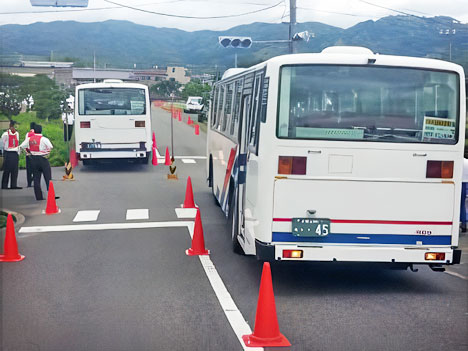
(373, 239)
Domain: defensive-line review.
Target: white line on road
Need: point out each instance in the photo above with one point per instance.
(194, 157)
(106, 226)
(455, 274)
(186, 212)
(86, 216)
(188, 160)
(233, 315)
(142, 213)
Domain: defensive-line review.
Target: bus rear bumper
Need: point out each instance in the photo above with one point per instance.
(354, 253)
(112, 154)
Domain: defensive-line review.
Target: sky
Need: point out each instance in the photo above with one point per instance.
(339, 13)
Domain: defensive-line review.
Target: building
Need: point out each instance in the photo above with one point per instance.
(178, 74)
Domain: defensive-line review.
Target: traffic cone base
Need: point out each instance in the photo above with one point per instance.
(154, 159)
(253, 341)
(191, 252)
(3, 258)
(10, 246)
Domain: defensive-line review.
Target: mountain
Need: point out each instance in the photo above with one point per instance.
(123, 43)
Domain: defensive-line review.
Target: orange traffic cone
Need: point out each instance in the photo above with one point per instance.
(189, 122)
(167, 161)
(51, 205)
(154, 160)
(188, 202)
(197, 129)
(154, 141)
(179, 115)
(266, 331)
(198, 242)
(73, 158)
(10, 246)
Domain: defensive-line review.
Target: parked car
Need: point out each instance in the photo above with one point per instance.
(194, 104)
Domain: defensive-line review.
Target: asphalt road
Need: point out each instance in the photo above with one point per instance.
(135, 289)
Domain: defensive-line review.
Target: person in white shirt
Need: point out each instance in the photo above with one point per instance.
(68, 119)
(39, 147)
(11, 148)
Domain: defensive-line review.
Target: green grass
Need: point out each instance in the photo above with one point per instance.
(52, 130)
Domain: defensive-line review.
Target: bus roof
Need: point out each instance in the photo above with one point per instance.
(112, 85)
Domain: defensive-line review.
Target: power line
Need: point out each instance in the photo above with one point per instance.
(195, 17)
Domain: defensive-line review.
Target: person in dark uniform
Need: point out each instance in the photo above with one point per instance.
(39, 146)
(11, 151)
(29, 170)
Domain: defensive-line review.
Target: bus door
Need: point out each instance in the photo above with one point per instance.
(248, 149)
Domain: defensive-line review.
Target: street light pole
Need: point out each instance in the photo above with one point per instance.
(292, 23)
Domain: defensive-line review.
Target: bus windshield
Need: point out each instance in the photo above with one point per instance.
(111, 101)
(371, 103)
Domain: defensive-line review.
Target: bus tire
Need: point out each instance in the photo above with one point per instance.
(233, 223)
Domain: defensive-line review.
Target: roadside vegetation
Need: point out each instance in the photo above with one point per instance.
(42, 99)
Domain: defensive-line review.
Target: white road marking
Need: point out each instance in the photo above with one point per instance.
(137, 214)
(86, 216)
(194, 157)
(455, 274)
(186, 212)
(188, 160)
(105, 226)
(233, 315)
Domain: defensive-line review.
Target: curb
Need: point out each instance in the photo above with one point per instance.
(19, 219)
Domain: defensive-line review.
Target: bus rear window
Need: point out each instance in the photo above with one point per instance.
(371, 103)
(112, 101)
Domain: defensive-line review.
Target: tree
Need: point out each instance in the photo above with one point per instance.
(196, 88)
(165, 88)
(10, 103)
(47, 104)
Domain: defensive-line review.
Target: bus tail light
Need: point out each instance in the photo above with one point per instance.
(85, 124)
(292, 165)
(140, 124)
(293, 253)
(434, 256)
(439, 169)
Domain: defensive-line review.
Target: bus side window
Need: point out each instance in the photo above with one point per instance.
(234, 129)
(222, 99)
(227, 107)
(254, 120)
(215, 107)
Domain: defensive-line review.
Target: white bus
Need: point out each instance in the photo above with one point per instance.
(344, 155)
(112, 120)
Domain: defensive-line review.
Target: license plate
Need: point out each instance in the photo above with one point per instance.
(310, 227)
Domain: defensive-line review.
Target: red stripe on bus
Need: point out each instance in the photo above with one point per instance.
(359, 221)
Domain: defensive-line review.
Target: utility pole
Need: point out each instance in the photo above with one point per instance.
(292, 24)
(94, 66)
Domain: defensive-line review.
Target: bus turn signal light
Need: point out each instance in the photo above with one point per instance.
(434, 256)
(293, 253)
(439, 169)
(140, 124)
(85, 124)
(292, 165)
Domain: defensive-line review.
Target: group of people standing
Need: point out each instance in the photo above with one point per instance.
(37, 148)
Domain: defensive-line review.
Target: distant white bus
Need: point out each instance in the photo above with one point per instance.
(112, 120)
(344, 155)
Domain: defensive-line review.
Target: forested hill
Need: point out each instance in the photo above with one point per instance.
(123, 44)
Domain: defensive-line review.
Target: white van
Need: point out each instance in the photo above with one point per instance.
(193, 104)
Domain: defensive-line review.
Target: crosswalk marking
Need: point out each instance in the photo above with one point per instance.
(142, 213)
(186, 212)
(86, 216)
